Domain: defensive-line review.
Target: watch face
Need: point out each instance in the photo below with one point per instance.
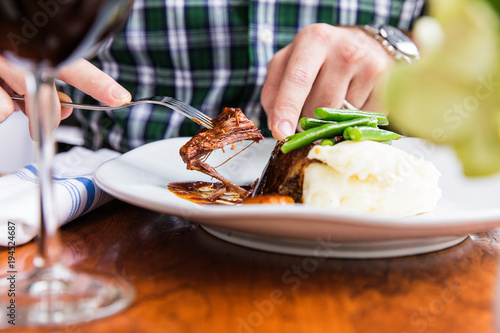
(399, 40)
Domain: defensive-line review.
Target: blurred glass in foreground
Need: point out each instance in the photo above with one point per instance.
(452, 95)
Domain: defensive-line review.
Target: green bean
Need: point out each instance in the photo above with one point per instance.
(308, 123)
(345, 114)
(324, 131)
(359, 133)
(327, 142)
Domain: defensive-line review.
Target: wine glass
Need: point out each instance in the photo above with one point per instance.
(43, 35)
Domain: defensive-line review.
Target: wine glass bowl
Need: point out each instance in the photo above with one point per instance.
(43, 35)
(52, 33)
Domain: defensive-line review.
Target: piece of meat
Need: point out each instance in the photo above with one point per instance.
(229, 127)
(284, 173)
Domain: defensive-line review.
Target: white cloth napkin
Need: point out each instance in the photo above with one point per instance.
(75, 191)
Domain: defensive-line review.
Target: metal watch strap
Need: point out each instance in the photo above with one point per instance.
(397, 44)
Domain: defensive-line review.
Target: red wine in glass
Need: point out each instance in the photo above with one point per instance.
(49, 33)
(43, 35)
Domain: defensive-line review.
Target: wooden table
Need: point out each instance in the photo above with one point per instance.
(189, 281)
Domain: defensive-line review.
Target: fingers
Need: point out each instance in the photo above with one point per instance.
(6, 105)
(373, 63)
(12, 81)
(270, 89)
(65, 110)
(333, 81)
(81, 74)
(88, 78)
(49, 106)
(360, 90)
(304, 63)
(13, 76)
(373, 104)
(323, 66)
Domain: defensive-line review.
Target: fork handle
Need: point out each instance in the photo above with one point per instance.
(20, 98)
(78, 106)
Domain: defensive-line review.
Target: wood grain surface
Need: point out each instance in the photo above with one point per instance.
(189, 281)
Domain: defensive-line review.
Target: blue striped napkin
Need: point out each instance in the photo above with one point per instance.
(75, 191)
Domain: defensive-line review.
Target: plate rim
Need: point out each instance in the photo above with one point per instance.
(487, 219)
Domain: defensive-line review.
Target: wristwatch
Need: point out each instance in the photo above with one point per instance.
(394, 41)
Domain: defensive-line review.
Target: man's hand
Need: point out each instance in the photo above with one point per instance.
(321, 67)
(81, 74)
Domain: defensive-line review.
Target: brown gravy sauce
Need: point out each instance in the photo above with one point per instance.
(199, 192)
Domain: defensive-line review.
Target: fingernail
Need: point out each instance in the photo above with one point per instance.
(119, 92)
(285, 128)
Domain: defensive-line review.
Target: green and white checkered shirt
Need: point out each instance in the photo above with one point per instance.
(210, 54)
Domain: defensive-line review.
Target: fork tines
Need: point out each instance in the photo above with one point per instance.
(191, 112)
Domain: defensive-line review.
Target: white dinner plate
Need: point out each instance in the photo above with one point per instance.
(468, 205)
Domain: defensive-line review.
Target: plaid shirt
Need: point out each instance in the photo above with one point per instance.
(210, 54)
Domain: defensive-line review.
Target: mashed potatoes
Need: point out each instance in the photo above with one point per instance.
(370, 177)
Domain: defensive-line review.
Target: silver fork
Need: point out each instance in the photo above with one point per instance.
(187, 110)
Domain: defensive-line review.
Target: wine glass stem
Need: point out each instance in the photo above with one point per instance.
(41, 93)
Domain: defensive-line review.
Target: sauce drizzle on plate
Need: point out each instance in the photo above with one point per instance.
(200, 192)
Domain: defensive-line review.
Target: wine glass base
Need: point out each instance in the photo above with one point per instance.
(57, 296)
